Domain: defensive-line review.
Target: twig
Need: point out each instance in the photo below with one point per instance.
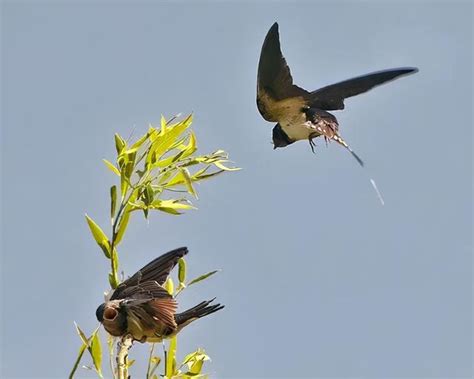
(122, 357)
(148, 370)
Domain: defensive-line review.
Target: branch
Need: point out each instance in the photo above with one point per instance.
(122, 357)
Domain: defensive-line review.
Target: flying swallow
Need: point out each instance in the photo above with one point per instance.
(300, 114)
(142, 307)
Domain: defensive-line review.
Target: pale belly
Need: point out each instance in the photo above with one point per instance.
(298, 131)
(298, 128)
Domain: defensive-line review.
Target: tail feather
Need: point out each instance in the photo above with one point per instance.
(339, 139)
(198, 311)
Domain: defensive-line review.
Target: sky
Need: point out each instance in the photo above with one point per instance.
(319, 280)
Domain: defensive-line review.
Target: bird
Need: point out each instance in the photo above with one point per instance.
(142, 308)
(301, 114)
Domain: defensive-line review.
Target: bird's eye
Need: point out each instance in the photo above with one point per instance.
(110, 314)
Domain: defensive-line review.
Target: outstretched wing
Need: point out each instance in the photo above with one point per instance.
(150, 306)
(274, 81)
(156, 271)
(332, 97)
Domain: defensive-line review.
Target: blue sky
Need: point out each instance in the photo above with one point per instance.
(318, 279)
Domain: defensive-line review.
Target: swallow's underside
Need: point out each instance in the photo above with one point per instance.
(141, 307)
(303, 115)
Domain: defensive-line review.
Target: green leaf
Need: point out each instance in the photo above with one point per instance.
(171, 358)
(202, 277)
(111, 167)
(148, 194)
(181, 270)
(113, 281)
(169, 286)
(93, 346)
(81, 334)
(137, 144)
(96, 352)
(225, 168)
(173, 204)
(113, 200)
(78, 360)
(163, 124)
(99, 236)
(207, 176)
(155, 361)
(171, 211)
(120, 144)
(125, 218)
(166, 139)
(188, 182)
(196, 366)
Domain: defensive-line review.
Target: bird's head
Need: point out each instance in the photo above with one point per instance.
(280, 138)
(112, 317)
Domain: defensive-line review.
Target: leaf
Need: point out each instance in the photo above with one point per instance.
(199, 354)
(99, 236)
(207, 176)
(181, 270)
(171, 358)
(166, 139)
(156, 360)
(81, 334)
(196, 366)
(202, 277)
(169, 210)
(125, 218)
(93, 346)
(138, 143)
(113, 200)
(163, 124)
(225, 168)
(173, 204)
(169, 286)
(120, 144)
(188, 182)
(78, 360)
(148, 194)
(130, 363)
(111, 167)
(96, 352)
(113, 281)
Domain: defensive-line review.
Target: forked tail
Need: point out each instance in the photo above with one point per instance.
(198, 311)
(339, 140)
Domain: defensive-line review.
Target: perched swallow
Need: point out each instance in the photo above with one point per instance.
(141, 307)
(302, 115)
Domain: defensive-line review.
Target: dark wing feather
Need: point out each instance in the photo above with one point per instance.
(144, 291)
(274, 79)
(155, 271)
(332, 97)
(156, 316)
(151, 306)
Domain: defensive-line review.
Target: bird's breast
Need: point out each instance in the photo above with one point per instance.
(296, 127)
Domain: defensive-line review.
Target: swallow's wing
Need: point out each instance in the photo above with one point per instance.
(274, 81)
(157, 271)
(151, 303)
(332, 97)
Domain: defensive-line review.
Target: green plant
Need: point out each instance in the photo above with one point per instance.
(151, 172)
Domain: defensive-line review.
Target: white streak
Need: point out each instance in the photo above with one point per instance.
(377, 191)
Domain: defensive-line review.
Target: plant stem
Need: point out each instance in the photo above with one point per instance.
(148, 371)
(122, 357)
